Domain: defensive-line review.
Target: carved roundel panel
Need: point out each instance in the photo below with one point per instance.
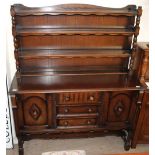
(35, 111)
(119, 107)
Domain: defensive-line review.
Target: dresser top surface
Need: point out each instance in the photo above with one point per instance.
(73, 83)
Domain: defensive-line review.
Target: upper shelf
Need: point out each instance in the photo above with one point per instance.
(51, 53)
(73, 31)
(71, 9)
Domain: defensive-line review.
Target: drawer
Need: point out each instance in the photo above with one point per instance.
(77, 122)
(79, 97)
(76, 109)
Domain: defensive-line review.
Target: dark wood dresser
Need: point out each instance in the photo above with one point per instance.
(78, 72)
(141, 135)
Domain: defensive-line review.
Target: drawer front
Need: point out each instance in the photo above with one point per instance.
(76, 110)
(75, 98)
(77, 122)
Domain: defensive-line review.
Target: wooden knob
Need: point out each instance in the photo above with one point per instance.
(66, 110)
(120, 109)
(34, 113)
(92, 131)
(89, 110)
(89, 122)
(66, 123)
(91, 98)
(67, 98)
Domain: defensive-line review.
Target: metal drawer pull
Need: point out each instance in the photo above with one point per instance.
(120, 109)
(91, 131)
(89, 110)
(89, 122)
(67, 98)
(66, 123)
(66, 110)
(91, 98)
(34, 113)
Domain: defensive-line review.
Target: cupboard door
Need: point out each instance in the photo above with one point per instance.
(34, 108)
(119, 106)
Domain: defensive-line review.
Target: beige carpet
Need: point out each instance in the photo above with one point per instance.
(67, 152)
(92, 146)
(145, 153)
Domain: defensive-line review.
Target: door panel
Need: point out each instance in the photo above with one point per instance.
(34, 111)
(119, 107)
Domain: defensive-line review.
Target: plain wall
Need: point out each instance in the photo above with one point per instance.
(143, 36)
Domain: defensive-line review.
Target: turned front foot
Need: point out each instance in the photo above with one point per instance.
(126, 135)
(20, 145)
(127, 145)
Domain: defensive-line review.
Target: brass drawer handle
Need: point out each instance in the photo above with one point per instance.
(67, 98)
(120, 109)
(35, 113)
(89, 122)
(91, 131)
(66, 123)
(90, 110)
(66, 110)
(91, 98)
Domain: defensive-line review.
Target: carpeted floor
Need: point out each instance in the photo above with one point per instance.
(145, 153)
(92, 146)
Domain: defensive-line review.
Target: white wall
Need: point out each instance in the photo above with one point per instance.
(144, 36)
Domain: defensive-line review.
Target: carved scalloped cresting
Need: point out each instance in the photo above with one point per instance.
(35, 111)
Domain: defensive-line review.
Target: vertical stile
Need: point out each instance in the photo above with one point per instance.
(51, 111)
(16, 42)
(139, 13)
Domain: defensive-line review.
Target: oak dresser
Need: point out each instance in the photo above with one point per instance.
(79, 73)
(141, 134)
